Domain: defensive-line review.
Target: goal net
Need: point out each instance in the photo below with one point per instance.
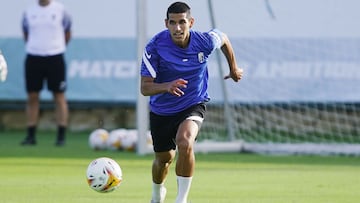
(300, 93)
(287, 128)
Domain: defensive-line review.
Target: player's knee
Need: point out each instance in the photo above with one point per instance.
(185, 145)
(164, 158)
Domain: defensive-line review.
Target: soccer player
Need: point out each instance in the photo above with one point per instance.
(47, 30)
(174, 74)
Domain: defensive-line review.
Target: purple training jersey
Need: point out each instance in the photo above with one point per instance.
(164, 61)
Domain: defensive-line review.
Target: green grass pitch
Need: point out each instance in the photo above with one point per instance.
(46, 174)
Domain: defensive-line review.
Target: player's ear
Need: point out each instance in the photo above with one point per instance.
(166, 23)
(192, 21)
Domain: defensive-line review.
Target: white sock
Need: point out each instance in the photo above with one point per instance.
(156, 191)
(184, 184)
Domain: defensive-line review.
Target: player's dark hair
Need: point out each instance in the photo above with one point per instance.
(178, 7)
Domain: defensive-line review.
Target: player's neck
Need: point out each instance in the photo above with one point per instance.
(44, 2)
(183, 44)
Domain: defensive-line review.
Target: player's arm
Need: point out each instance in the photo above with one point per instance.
(25, 27)
(149, 87)
(226, 48)
(67, 23)
(67, 36)
(25, 36)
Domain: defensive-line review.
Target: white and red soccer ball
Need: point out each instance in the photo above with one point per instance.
(104, 175)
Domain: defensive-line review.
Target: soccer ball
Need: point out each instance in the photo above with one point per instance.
(98, 139)
(128, 142)
(115, 137)
(104, 175)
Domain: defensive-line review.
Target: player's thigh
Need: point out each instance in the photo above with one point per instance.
(195, 113)
(34, 73)
(56, 75)
(190, 121)
(187, 132)
(163, 132)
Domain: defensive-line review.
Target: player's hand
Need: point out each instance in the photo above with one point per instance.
(236, 74)
(3, 68)
(175, 86)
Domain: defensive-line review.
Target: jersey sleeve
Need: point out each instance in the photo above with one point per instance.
(67, 21)
(217, 39)
(24, 23)
(149, 62)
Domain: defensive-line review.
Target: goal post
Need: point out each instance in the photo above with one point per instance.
(142, 116)
(224, 91)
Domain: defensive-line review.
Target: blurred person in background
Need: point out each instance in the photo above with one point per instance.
(47, 30)
(174, 74)
(3, 68)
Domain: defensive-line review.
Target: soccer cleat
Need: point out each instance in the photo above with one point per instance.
(60, 143)
(28, 142)
(162, 196)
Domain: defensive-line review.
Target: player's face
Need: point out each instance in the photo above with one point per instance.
(179, 26)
